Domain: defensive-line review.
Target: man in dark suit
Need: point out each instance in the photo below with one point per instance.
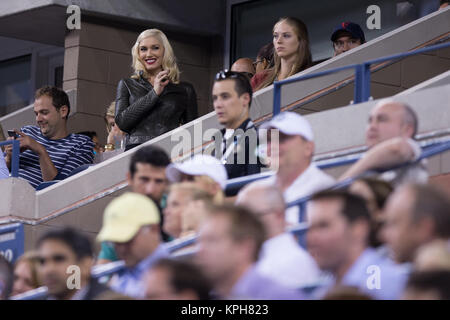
(232, 97)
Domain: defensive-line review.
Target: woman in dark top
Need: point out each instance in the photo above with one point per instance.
(153, 101)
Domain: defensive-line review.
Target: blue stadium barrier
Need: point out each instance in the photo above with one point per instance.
(15, 156)
(298, 230)
(362, 76)
(12, 241)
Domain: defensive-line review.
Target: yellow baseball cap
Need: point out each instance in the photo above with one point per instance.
(125, 215)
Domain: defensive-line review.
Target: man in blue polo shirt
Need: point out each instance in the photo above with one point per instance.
(48, 151)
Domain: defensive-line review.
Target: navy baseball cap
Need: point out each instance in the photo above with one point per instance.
(353, 28)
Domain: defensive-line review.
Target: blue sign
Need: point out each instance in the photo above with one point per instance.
(11, 241)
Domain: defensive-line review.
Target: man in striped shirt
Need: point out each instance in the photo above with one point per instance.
(48, 151)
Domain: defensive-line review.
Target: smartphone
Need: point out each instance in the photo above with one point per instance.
(12, 133)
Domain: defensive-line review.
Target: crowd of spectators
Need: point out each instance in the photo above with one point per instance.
(384, 236)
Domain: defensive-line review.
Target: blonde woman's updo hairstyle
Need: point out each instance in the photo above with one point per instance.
(169, 61)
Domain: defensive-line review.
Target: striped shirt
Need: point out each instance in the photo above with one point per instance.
(66, 154)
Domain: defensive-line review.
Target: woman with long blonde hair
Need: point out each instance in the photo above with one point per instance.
(153, 101)
(291, 55)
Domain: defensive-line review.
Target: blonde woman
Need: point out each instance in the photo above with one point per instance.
(291, 53)
(153, 101)
(26, 273)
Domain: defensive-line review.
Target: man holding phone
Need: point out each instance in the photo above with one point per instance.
(48, 151)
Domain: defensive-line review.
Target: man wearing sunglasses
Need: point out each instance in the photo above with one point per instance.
(65, 260)
(131, 224)
(232, 97)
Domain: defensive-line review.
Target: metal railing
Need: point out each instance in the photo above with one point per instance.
(299, 230)
(362, 76)
(15, 156)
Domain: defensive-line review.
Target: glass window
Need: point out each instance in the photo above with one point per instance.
(252, 21)
(15, 84)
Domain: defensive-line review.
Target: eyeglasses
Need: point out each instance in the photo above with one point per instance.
(255, 63)
(227, 74)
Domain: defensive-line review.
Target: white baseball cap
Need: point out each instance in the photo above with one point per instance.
(199, 165)
(290, 123)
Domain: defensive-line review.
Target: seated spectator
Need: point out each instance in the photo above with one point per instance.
(206, 172)
(237, 142)
(132, 223)
(180, 195)
(376, 193)
(264, 59)
(116, 137)
(4, 172)
(228, 247)
(244, 66)
(338, 239)
(195, 212)
(432, 256)
(6, 278)
(291, 52)
(297, 176)
(98, 148)
(49, 152)
(170, 279)
(65, 261)
(346, 36)
(147, 176)
(153, 101)
(389, 137)
(428, 285)
(415, 215)
(26, 273)
(281, 258)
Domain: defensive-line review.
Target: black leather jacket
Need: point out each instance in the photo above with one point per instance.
(144, 115)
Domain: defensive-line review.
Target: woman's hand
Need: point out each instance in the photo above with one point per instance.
(114, 134)
(161, 80)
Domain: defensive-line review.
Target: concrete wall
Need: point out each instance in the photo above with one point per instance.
(330, 136)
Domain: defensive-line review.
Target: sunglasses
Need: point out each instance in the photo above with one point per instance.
(227, 74)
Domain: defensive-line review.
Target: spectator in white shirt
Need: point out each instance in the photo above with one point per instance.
(291, 156)
(281, 258)
(389, 136)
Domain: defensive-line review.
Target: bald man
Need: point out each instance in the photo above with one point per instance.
(281, 258)
(390, 132)
(244, 65)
